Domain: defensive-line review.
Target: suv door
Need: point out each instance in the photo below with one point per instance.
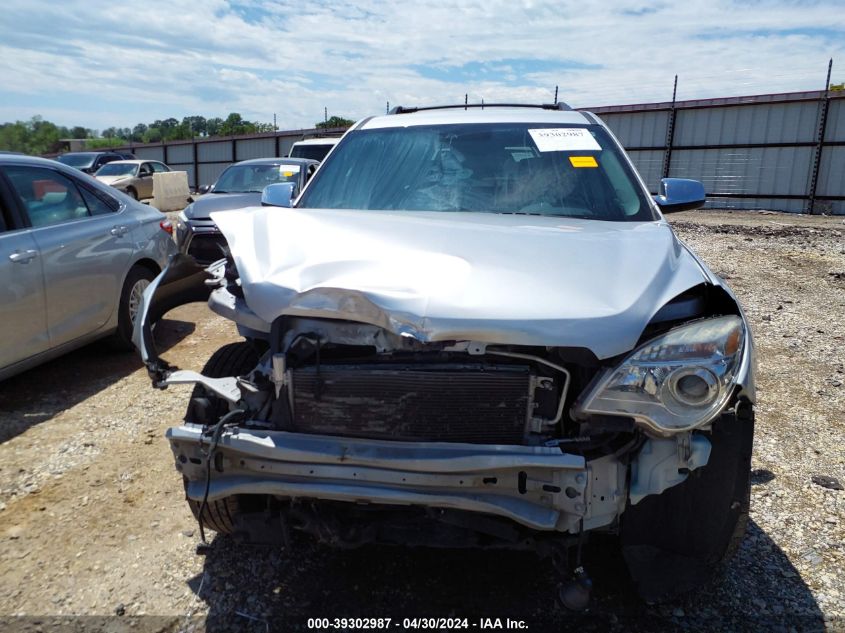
(23, 309)
(85, 247)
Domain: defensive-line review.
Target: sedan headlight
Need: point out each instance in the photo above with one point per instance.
(675, 382)
(182, 219)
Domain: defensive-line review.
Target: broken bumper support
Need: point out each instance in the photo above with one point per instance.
(537, 486)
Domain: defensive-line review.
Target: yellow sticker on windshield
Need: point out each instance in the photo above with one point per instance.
(287, 174)
(583, 161)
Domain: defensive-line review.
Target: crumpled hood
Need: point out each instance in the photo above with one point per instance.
(202, 207)
(503, 279)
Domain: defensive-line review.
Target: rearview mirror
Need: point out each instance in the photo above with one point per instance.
(680, 194)
(279, 194)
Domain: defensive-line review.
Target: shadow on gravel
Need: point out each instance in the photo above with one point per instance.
(254, 588)
(43, 392)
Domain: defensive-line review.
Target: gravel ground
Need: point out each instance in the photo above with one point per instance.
(94, 532)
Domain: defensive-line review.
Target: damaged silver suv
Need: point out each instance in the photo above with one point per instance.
(473, 327)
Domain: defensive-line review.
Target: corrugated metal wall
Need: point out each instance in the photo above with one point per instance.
(749, 152)
(205, 159)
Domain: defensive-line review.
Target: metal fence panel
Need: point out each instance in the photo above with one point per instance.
(761, 171)
(832, 172)
(638, 129)
(256, 148)
(791, 206)
(649, 164)
(177, 154)
(209, 172)
(836, 121)
(736, 125)
(215, 151)
(149, 153)
(286, 142)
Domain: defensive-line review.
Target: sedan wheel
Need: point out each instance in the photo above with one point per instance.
(136, 282)
(135, 296)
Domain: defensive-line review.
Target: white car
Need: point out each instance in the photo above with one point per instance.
(474, 327)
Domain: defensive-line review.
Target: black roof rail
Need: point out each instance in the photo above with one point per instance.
(560, 105)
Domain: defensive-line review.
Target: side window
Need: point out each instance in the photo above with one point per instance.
(96, 204)
(159, 167)
(47, 196)
(145, 170)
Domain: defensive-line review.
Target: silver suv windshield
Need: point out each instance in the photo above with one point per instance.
(520, 168)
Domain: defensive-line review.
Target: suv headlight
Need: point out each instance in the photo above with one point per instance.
(675, 382)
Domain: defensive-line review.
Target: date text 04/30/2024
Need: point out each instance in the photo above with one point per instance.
(413, 624)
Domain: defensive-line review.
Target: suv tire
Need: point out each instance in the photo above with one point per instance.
(234, 359)
(681, 539)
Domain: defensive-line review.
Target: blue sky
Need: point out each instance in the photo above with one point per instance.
(102, 63)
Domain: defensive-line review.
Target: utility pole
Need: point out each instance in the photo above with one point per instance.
(326, 116)
(555, 101)
(275, 128)
(670, 132)
(817, 160)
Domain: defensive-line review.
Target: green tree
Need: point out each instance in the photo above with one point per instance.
(196, 125)
(13, 137)
(335, 121)
(35, 136)
(212, 126)
(152, 135)
(138, 132)
(234, 124)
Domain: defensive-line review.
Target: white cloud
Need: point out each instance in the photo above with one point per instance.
(99, 63)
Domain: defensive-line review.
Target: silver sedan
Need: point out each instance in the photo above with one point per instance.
(75, 258)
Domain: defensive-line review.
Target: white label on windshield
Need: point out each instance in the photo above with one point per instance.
(564, 139)
(288, 169)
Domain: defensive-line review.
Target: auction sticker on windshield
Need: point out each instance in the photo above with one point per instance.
(564, 139)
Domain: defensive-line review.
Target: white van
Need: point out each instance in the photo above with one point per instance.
(313, 148)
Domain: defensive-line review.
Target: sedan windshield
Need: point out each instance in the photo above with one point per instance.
(117, 169)
(531, 169)
(253, 178)
(77, 160)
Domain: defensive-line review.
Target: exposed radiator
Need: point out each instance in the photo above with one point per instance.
(480, 404)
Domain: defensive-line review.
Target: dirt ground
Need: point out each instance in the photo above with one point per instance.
(93, 520)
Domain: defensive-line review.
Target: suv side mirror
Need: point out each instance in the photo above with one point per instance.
(680, 194)
(279, 194)
(203, 189)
